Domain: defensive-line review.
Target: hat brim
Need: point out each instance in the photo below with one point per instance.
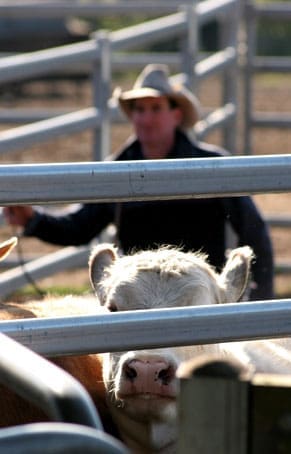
(186, 101)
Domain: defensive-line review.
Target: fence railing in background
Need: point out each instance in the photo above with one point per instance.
(107, 49)
(254, 64)
(135, 180)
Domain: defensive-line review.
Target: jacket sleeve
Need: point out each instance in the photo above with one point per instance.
(73, 229)
(252, 230)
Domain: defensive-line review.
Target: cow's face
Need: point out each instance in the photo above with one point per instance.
(142, 384)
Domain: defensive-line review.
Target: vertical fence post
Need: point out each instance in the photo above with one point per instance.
(228, 36)
(270, 414)
(213, 407)
(248, 70)
(101, 79)
(190, 46)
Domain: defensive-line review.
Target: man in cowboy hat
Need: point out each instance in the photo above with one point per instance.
(161, 113)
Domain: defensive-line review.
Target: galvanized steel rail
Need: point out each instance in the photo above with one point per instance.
(144, 180)
(50, 388)
(58, 438)
(154, 328)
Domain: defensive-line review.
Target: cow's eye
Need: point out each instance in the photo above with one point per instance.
(112, 307)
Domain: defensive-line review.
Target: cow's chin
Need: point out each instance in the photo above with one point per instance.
(149, 407)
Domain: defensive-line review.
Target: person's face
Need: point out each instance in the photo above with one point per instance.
(154, 120)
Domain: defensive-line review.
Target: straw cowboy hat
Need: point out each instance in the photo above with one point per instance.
(154, 82)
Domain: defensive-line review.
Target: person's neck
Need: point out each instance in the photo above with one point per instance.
(157, 151)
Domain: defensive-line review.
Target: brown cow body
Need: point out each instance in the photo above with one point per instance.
(87, 369)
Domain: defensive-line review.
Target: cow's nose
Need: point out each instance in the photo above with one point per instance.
(149, 372)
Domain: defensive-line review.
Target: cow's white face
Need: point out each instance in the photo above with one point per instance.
(142, 385)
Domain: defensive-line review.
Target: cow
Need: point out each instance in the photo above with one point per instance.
(141, 385)
(139, 389)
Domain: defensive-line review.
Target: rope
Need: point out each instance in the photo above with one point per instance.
(21, 262)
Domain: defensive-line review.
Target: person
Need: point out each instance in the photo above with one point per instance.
(161, 113)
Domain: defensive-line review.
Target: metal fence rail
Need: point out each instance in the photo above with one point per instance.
(58, 438)
(152, 328)
(144, 180)
(132, 180)
(60, 396)
(62, 399)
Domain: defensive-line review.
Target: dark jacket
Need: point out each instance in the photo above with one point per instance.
(193, 224)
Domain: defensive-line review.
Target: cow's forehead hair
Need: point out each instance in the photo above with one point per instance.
(166, 260)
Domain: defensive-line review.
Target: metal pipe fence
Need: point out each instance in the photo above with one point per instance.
(152, 328)
(254, 64)
(128, 181)
(101, 53)
(144, 180)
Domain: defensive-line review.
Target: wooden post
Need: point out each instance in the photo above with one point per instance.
(270, 414)
(213, 407)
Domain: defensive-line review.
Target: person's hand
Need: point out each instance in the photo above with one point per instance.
(18, 215)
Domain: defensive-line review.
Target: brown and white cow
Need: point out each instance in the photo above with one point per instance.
(141, 386)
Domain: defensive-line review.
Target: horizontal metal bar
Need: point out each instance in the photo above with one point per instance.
(11, 9)
(152, 328)
(277, 10)
(52, 437)
(148, 32)
(65, 258)
(46, 61)
(211, 9)
(279, 220)
(283, 268)
(137, 60)
(167, 26)
(29, 115)
(144, 180)
(272, 64)
(50, 388)
(70, 123)
(271, 120)
(216, 63)
(220, 116)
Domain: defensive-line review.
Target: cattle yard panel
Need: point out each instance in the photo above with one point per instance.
(254, 64)
(98, 52)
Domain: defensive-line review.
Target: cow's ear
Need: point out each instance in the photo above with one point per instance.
(7, 246)
(236, 274)
(101, 258)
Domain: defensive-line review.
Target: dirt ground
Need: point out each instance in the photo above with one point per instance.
(271, 93)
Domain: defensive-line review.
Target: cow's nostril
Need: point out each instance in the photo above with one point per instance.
(129, 372)
(166, 375)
